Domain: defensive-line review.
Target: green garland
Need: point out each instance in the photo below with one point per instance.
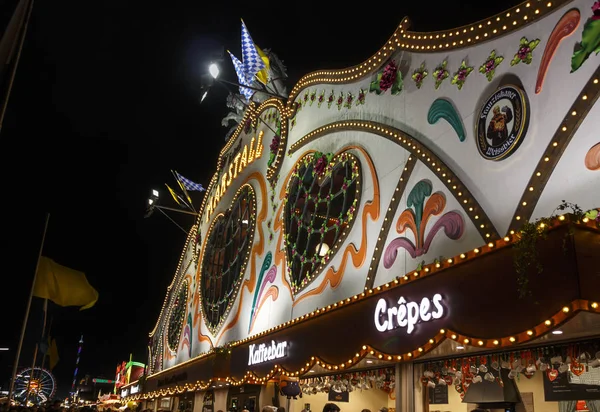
(526, 257)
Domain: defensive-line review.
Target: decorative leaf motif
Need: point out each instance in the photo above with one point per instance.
(460, 77)
(525, 52)
(419, 75)
(440, 74)
(416, 220)
(444, 109)
(398, 83)
(590, 42)
(488, 68)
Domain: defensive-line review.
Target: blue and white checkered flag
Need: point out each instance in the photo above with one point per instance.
(189, 185)
(252, 62)
(239, 70)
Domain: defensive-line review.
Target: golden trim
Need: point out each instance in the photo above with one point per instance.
(388, 221)
(484, 30)
(556, 147)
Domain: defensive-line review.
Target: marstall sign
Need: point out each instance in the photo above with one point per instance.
(265, 352)
(407, 314)
(243, 159)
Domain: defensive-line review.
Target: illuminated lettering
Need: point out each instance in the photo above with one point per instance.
(407, 314)
(240, 162)
(265, 352)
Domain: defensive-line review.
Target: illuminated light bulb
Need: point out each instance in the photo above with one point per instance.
(466, 341)
(480, 343)
(565, 309)
(512, 339)
(453, 336)
(594, 305)
(530, 332)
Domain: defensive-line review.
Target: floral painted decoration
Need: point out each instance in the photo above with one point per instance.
(525, 52)
(461, 75)
(273, 149)
(321, 160)
(349, 100)
(419, 75)
(489, 67)
(340, 101)
(313, 97)
(590, 39)
(362, 95)
(321, 99)
(389, 78)
(305, 98)
(330, 99)
(440, 74)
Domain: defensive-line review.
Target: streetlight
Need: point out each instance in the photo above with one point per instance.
(213, 69)
(153, 205)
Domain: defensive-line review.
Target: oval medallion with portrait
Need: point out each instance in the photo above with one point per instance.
(502, 123)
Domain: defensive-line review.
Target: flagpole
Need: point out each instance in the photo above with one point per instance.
(14, 71)
(16, 364)
(49, 344)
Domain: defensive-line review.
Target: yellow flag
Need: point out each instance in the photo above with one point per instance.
(182, 187)
(174, 195)
(263, 75)
(63, 286)
(53, 354)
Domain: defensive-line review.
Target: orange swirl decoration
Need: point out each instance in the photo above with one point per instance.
(592, 158)
(567, 24)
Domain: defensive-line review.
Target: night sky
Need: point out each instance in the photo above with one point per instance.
(105, 103)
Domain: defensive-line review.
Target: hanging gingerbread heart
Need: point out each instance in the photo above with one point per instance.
(552, 374)
(577, 368)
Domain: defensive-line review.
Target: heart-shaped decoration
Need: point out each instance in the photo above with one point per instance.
(577, 368)
(228, 244)
(552, 374)
(321, 201)
(448, 379)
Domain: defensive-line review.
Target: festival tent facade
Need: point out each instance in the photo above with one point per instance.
(418, 231)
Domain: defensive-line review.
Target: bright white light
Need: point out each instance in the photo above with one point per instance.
(322, 249)
(3, 348)
(311, 371)
(150, 201)
(203, 96)
(154, 192)
(213, 69)
(369, 361)
(460, 347)
(557, 332)
(244, 221)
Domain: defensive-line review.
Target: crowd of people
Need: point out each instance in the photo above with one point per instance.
(57, 406)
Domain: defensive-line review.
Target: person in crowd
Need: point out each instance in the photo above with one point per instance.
(331, 407)
(366, 410)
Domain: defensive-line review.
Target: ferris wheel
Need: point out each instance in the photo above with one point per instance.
(35, 385)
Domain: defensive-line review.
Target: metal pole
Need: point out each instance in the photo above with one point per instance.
(175, 210)
(251, 88)
(32, 373)
(246, 106)
(14, 72)
(37, 265)
(172, 221)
